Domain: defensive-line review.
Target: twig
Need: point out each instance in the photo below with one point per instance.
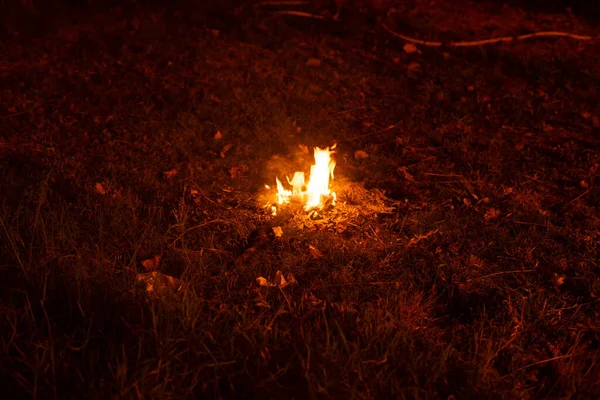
(537, 363)
(501, 273)
(581, 195)
(200, 226)
(12, 115)
(485, 41)
(281, 3)
(299, 14)
(368, 134)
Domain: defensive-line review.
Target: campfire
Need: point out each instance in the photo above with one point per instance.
(314, 194)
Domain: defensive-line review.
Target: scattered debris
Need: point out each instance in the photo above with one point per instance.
(314, 252)
(413, 67)
(100, 189)
(410, 48)
(225, 149)
(157, 282)
(277, 231)
(402, 171)
(492, 213)
(279, 280)
(218, 135)
(417, 238)
(170, 174)
(151, 264)
(342, 225)
(313, 62)
(360, 155)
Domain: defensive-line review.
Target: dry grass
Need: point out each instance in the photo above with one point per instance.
(461, 260)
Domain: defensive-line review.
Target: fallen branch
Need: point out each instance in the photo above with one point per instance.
(485, 41)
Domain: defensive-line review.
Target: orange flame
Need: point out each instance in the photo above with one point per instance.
(316, 192)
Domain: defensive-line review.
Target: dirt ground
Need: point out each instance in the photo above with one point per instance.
(459, 262)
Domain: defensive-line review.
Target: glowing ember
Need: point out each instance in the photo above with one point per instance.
(316, 192)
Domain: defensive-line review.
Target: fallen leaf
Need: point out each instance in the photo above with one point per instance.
(410, 48)
(234, 172)
(303, 148)
(314, 252)
(225, 149)
(157, 282)
(342, 225)
(492, 213)
(151, 264)
(559, 279)
(360, 155)
(170, 174)
(218, 135)
(263, 282)
(413, 66)
(406, 174)
(280, 280)
(584, 184)
(100, 189)
(313, 300)
(291, 279)
(313, 62)
(277, 231)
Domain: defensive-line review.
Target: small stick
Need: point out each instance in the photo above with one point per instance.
(485, 41)
(581, 195)
(501, 273)
(281, 3)
(299, 14)
(200, 226)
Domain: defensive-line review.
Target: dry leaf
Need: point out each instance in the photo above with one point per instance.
(218, 135)
(157, 282)
(313, 62)
(291, 279)
(277, 231)
(100, 189)
(406, 174)
(304, 148)
(342, 225)
(313, 300)
(410, 48)
(151, 264)
(225, 149)
(492, 213)
(584, 184)
(314, 252)
(170, 174)
(413, 66)
(559, 279)
(263, 282)
(280, 280)
(360, 154)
